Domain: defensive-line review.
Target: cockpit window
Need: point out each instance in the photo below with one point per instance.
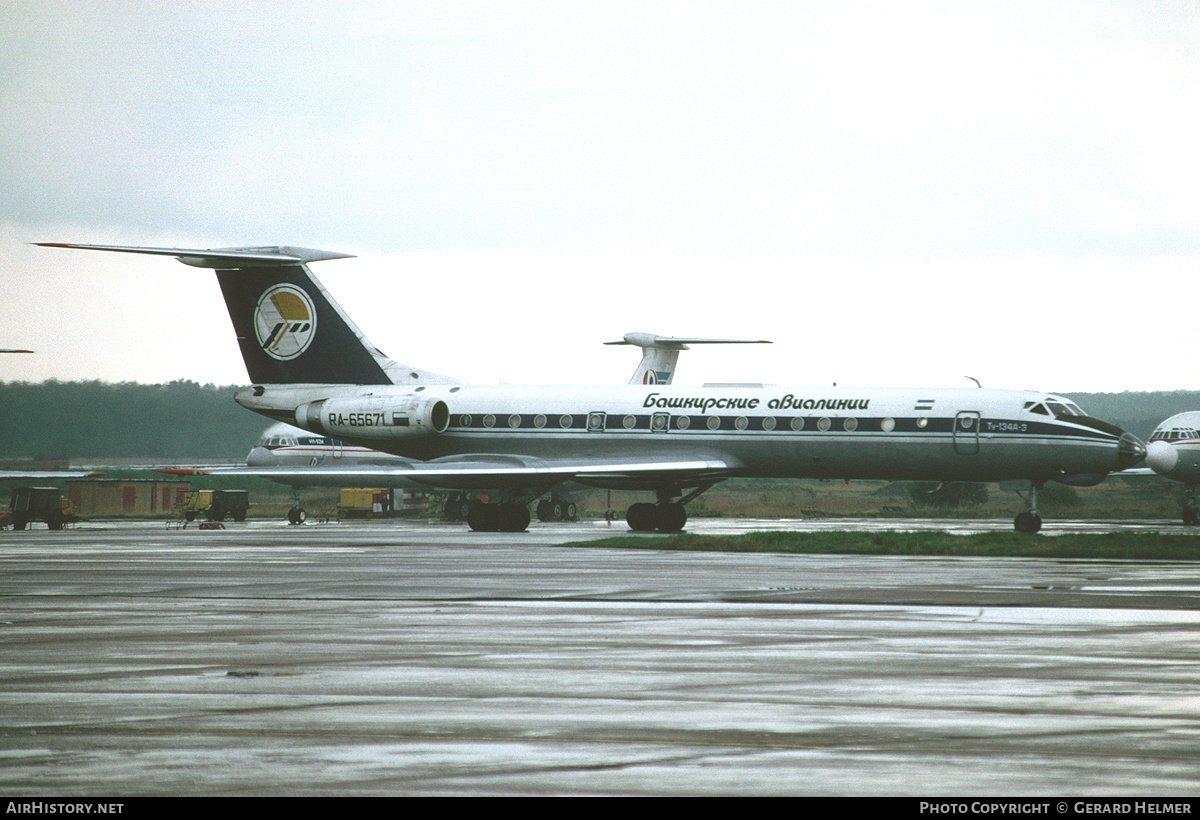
(271, 442)
(1175, 435)
(1059, 410)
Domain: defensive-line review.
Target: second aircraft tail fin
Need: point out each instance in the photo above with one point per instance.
(660, 353)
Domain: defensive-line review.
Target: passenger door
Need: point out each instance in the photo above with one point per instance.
(966, 433)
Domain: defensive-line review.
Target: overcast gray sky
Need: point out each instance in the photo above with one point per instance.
(894, 193)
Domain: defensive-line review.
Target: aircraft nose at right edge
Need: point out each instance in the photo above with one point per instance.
(1130, 450)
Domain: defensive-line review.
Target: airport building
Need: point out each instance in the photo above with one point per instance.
(126, 496)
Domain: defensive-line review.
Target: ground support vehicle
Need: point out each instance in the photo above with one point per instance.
(29, 504)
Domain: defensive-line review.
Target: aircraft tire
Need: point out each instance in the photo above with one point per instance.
(641, 517)
(1191, 516)
(1027, 522)
(189, 516)
(545, 510)
(670, 517)
(483, 518)
(296, 515)
(572, 512)
(513, 518)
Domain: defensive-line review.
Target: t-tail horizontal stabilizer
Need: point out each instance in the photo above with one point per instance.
(660, 353)
(218, 257)
(289, 328)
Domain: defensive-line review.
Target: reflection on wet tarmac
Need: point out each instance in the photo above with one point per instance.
(383, 659)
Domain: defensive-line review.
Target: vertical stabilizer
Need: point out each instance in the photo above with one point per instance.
(289, 329)
(660, 353)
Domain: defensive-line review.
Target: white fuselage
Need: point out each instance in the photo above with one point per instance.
(287, 446)
(835, 432)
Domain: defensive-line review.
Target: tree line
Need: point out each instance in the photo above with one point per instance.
(125, 420)
(1137, 413)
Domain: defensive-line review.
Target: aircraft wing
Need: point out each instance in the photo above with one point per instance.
(31, 475)
(486, 471)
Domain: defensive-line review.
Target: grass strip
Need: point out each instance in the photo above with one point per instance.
(1116, 546)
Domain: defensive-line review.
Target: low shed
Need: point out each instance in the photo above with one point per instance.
(126, 496)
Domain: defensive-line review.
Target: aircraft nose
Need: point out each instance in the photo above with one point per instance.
(1161, 457)
(1130, 450)
(261, 457)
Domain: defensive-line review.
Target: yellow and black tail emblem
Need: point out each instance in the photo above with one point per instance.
(285, 322)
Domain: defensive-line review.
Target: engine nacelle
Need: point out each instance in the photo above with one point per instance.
(394, 417)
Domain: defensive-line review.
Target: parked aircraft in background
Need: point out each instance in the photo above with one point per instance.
(312, 367)
(297, 458)
(1174, 452)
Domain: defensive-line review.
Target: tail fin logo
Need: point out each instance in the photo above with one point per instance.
(285, 322)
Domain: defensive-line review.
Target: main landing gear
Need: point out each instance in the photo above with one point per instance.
(509, 515)
(665, 516)
(557, 508)
(1029, 521)
(506, 517)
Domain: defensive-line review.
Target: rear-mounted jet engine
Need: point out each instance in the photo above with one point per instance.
(375, 418)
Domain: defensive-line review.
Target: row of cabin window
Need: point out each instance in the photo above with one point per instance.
(659, 422)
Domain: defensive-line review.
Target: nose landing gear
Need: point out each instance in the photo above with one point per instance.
(296, 515)
(1191, 516)
(1029, 521)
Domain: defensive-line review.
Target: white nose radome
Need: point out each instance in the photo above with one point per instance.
(1161, 457)
(261, 457)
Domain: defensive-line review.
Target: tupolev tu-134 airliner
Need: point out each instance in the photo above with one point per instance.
(312, 367)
